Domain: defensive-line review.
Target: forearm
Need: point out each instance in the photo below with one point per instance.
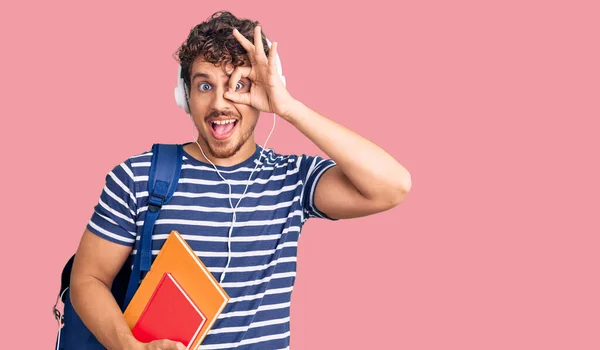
(373, 171)
(97, 308)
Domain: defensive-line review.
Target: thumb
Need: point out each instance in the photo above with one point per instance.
(236, 97)
(166, 344)
(178, 346)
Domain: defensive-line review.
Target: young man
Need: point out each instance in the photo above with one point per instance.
(231, 76)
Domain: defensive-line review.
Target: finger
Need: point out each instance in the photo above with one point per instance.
(236, 97)
(273, 56)
(166, 344)
(246, 44)
(258, 45)
(238, 73)
(175, 346)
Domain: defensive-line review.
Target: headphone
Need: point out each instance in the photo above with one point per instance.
(181, 98)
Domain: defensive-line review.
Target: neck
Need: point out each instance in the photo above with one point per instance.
(240, 156)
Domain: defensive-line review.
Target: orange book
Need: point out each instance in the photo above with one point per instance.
(179, 260)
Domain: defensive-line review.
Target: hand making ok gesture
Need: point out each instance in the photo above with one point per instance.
(267, 92)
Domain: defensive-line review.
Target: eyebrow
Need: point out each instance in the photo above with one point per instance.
(204, 75)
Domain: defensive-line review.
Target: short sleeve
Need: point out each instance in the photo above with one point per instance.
(311, 170)
(114, 216)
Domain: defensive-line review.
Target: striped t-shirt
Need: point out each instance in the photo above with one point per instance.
(262, 270)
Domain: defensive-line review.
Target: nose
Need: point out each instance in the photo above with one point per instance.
(219, 102)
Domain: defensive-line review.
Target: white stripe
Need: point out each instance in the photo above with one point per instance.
(209, 254)
(270, 162)
(119, 200)
(252, 312)
(200, 238)
(110, 234)
(252, 325)
(238, 170)
(298, 162)
(127, 170)
(260, 295)
(257, 282)
(308, 173)
(226, 210)
(226, 195)
(253, 268)
(246, 341)
(210, 169)
(125, 188)
(314, 187)
(148, 153)
(270, 155)
(265, 338)
(232, 182)
(133, 234)
(115, 213)
(141, 165)
(220, 239)
(108, 219)
(223, 224)
(311, 168)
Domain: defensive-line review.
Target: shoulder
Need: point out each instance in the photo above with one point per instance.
(140, 162)
(304, 163)
(131, 167)
(274, 158)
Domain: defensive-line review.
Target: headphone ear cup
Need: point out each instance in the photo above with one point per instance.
(278, 64)
(179, 99)
(180, 93)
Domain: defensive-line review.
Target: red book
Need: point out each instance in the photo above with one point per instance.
(169, 314)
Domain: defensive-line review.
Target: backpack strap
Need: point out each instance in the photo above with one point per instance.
(162, 181)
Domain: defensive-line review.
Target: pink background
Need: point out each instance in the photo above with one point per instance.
(493, 107)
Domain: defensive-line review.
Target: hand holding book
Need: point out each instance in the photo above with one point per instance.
(164, 344)
(178, 299)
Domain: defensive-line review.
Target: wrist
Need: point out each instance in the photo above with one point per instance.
(292, 111)
(285, 107)
(128, 341)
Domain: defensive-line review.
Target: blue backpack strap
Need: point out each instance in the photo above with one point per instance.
(162, 181)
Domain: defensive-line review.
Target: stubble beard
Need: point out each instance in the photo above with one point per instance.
(221, 151)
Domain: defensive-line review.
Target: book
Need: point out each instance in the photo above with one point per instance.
(179, 260)
(169, 314)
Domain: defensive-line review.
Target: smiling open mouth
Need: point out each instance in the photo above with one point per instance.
(222, 129)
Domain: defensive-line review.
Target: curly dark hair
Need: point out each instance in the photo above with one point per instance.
(213, 41)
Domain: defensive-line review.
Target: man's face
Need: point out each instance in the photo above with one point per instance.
(223, 125)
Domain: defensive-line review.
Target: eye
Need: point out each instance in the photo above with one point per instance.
(204, 87)
(239, 85)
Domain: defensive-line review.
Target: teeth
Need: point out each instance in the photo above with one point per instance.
(221, 122)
